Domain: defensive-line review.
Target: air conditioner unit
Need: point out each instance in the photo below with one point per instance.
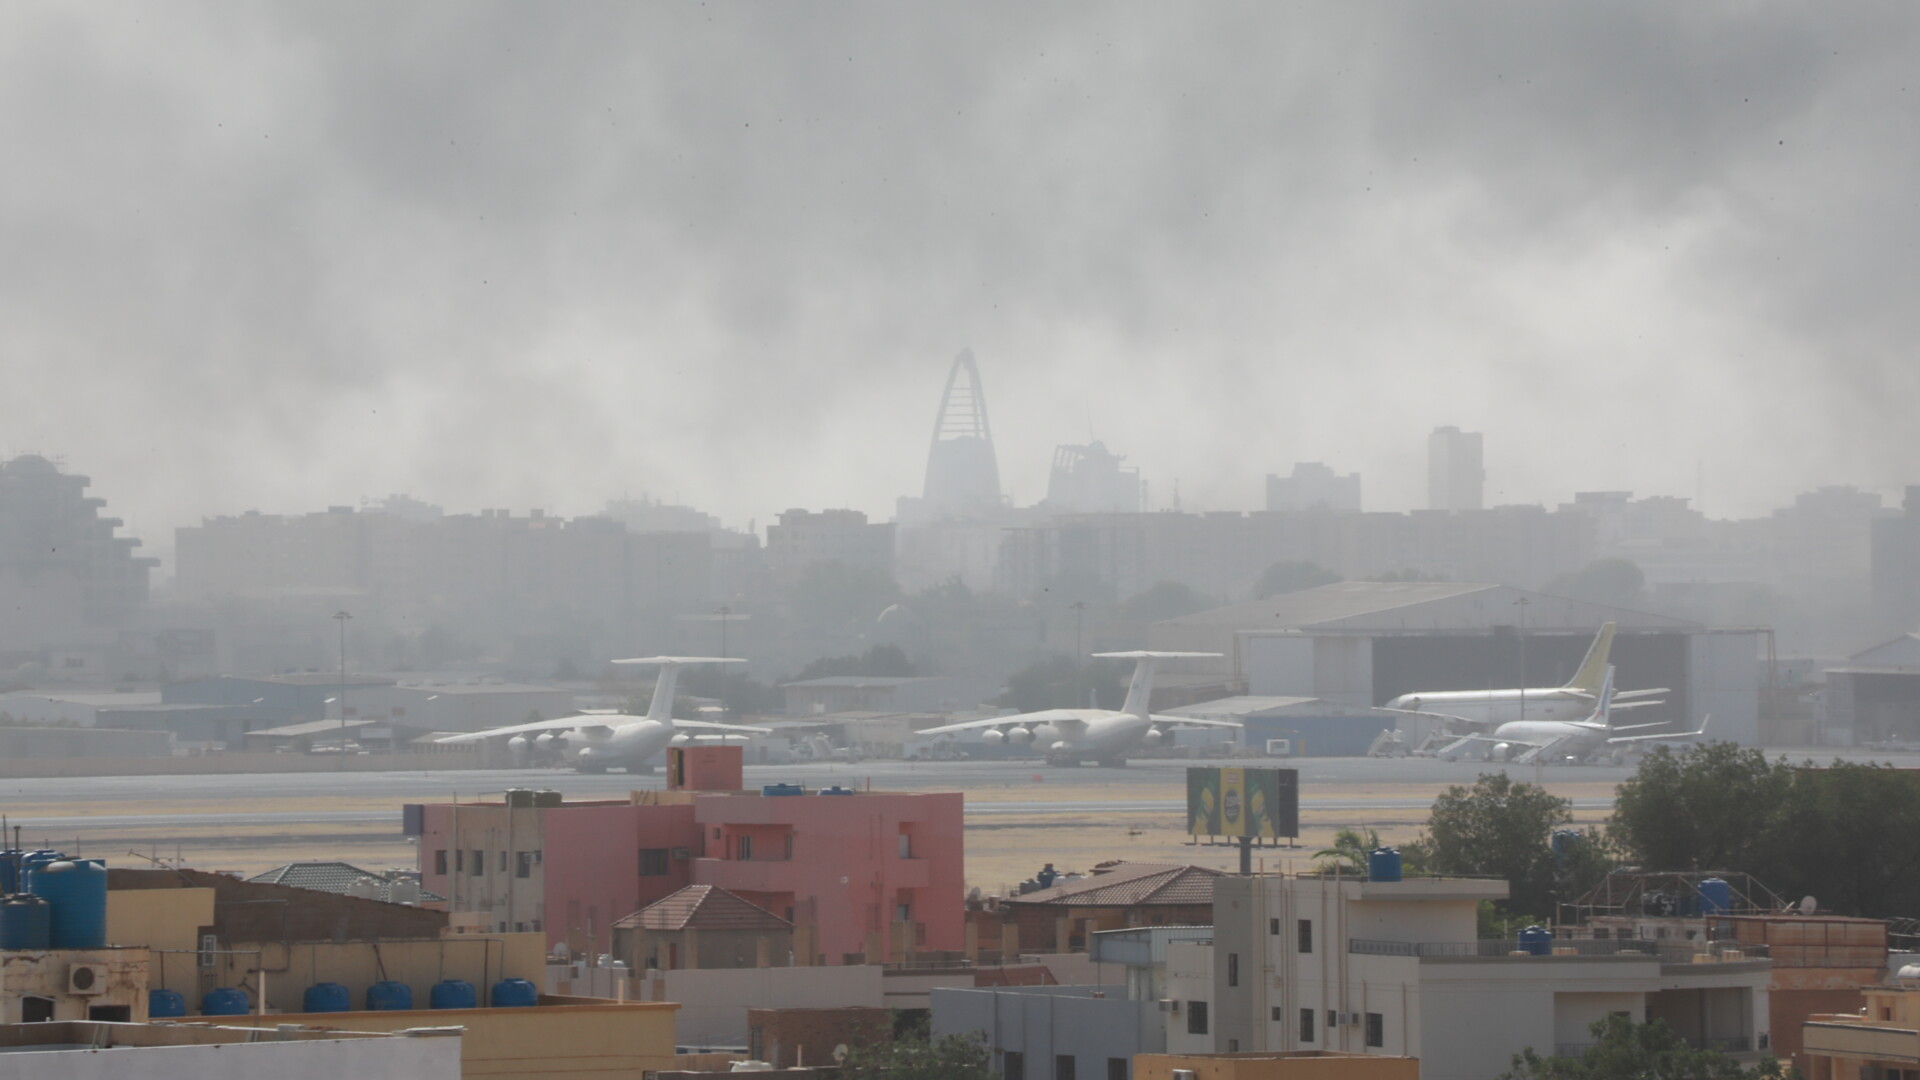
(1169, 1005)
(1347, 1019)
(86, 978)
(1185, 1074)
(682, 853)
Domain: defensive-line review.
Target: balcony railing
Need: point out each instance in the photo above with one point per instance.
(1669, 952)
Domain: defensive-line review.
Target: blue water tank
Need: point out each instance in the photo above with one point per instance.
(1537, 940)
(326, 997)
(1716, 897)
(10, 872)
(76, 890)
(513, 994)
(225, 1001)
(453, 994)
(783, 789)
(164, 1004)
(836, 790)
(1564, 841)
(1383, 864)
(389, 996)
(24, 923)
(34, 860)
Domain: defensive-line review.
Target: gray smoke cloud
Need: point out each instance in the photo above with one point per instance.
(281, 256)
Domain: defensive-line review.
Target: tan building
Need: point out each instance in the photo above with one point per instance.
(1112, 898)
(703, 926)
(1293, 1065)
(1883, 1041)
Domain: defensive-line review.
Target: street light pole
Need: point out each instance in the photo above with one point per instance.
(341, 617)
(1522, 605)
(1079, 653)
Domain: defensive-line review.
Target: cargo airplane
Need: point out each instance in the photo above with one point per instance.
(596, 742)
(1071, 736)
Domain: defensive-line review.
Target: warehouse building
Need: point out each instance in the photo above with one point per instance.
(1360, 644)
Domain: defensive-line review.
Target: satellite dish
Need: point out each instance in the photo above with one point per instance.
(1808, 905)
(840, 1054)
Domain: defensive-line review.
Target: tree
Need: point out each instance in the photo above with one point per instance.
(1624, 1050)
(1292, 576)
(881, 661)
(1499, 828)
(949, 1057)
(1063, 682)
(1166, 600)
(1613, 582)
(1710, 808)
(1848, 834)
(1351, 848)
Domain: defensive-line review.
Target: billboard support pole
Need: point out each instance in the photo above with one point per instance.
(1246, 856)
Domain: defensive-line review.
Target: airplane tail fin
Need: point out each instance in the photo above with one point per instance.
(1140, 690)
(1603, 706)
(661, 707)
(1594, 670)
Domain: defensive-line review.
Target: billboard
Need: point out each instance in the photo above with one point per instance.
(1257, 803)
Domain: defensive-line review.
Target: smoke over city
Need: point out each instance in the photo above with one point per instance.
(492, 255)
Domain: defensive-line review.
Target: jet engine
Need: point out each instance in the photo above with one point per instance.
(550, 741)
(1046, 733)
(587, 755)
(993, 737)
(1020, 736)
(1501, 751)
(517, 744)
(1153, 737)
(680, 739)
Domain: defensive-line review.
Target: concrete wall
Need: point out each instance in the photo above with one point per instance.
(357, 965)
(1308, 1065)
(1045, 1022)
(217, 1054)
(158, 918)
(797, 1038)
(714, 1004)
(550, 1042)
(45, 975)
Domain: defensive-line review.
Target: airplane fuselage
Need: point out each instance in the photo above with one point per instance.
(1492, 707)
(1568, 740)
(626, 745)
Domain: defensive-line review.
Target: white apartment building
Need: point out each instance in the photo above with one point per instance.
(1395, 967)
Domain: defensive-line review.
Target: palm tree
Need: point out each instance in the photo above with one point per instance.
(1351, 847)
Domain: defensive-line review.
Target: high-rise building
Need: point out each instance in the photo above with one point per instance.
(1090, 479)
(1313, 486)
(963, 475)
(65, 578)
(1456, 476)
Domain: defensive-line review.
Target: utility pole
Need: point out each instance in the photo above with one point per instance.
(1079, 653)
(341, 617)
(1522, 605)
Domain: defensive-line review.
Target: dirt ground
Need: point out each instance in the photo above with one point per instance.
(1002, 848)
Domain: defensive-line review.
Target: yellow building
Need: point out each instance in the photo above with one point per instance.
(1291, 1065)
(1883, 1040)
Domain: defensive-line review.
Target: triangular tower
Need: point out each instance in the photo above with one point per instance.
(963, 475)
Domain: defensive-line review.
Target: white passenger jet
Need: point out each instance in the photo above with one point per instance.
(1528, 741)
(595, 742)
(1071, 736)
(1485, 709)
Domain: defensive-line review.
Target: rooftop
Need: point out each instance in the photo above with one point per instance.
(1129, 884)
(336, 877)
(702, 907)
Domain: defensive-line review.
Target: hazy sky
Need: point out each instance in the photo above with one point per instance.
(286, 255)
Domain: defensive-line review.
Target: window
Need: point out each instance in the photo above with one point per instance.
(1116, 1069)
(1196, 1018)
(906, 846)
(746, 847)
(1013, 1065)
(903, 913)
(1306, 1025)
(459, 860)
(478, 864)
(523, 863)
(1233, 1046)
(440, 861)
(1063, 1067)
(117, 1014)
(1233, 969)
(1376, 1030)
(1273, 927)
(1306, 935)
(1333, 1020)
(36, 1010)
(653, 862)
(1276, 1014)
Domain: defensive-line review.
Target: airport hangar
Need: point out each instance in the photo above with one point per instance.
(1360, 644)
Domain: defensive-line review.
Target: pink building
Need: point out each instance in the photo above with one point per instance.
(878, 874)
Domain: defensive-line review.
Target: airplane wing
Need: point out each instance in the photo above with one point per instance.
(568, 723)
(1045, 716)
(1188, 721)
(1464, 741)
(1671, 736)
(708, 725)
(1450, 719)
(1618, 695)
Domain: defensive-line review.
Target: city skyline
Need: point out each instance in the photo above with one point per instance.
(281, 258)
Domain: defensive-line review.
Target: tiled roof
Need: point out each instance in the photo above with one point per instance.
(1131, 884)
(333, 877)
(703, 907)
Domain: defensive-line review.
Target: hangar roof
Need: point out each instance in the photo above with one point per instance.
(1400, 606)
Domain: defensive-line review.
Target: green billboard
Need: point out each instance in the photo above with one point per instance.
(1237, 802)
